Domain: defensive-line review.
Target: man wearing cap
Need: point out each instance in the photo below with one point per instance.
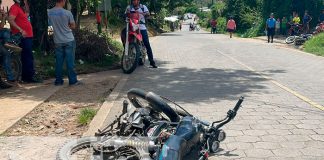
(270, 26)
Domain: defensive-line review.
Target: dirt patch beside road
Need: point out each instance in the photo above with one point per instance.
(58, 116)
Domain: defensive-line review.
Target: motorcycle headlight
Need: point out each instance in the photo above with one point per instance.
(135, 27)
(221, 135)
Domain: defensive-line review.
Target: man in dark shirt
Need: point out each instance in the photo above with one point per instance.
(321, 17)
(306, 19)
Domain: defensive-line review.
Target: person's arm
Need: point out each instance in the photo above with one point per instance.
(234, 25)
(12, 16)
(310, 19)
(146, 11)
(71, 21)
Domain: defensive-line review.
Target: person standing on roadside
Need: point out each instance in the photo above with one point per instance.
(284, 24)
(213, 24)
(143, 12)
(306, 20)
(63, 23)
(231, 26)
(278, 26)
(19, 23)
(321, 17)
(270, 26)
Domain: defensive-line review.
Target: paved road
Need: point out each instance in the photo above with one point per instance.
(207, 73)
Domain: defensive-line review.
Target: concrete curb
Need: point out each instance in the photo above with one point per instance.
(104, 110)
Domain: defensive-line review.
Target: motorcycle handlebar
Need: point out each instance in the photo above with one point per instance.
(238, 104)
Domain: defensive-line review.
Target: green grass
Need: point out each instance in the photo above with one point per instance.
(315, 45)
(86, 115)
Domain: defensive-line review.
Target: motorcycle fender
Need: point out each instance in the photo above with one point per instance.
(173, 149)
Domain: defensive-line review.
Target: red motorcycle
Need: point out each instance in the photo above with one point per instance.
(134, 48)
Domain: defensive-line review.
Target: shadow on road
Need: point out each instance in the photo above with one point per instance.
(196, 85)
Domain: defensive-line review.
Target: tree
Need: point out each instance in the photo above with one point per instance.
(38, 15)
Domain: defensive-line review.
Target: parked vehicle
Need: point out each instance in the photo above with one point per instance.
(298, 40)
(16, 65)
(149, 128)
(134, 48)
(295, 29)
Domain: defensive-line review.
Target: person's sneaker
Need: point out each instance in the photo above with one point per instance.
(76, 83)
(154, 66)
(33, 80)
(13, 47)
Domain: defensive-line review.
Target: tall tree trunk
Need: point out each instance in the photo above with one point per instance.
(38, 15)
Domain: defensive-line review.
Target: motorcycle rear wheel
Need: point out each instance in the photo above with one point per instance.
(129, 62)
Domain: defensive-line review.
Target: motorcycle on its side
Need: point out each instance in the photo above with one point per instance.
(150, 129)
(298, 40)
(134, 49)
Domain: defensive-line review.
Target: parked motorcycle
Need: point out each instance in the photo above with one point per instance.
(15, 65)
(134, 48)
(298, 40)
(149, 128)
(295, 29)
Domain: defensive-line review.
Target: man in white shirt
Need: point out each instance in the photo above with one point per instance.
(143, 11)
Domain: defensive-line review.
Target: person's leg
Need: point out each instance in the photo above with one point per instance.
(5, 35)
(7, 63)
(272, 34)
(70, 58)
(148, 47)
(59, 59)
(268, 34)
(27, 60)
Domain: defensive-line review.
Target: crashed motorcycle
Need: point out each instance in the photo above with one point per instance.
(149, 128)
(298, 40)
(134, 49)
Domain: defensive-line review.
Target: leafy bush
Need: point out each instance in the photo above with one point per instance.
(92, 47)
(316, 45)
(256, 30)
(221, 24)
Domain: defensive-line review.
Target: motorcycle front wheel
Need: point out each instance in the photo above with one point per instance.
(77, 148)
(129, 62)
(290, 39)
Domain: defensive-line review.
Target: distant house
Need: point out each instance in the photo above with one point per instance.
(6, 3)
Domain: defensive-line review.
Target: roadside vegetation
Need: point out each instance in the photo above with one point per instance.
(315, 45)
(86, 115)
(250, 15)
